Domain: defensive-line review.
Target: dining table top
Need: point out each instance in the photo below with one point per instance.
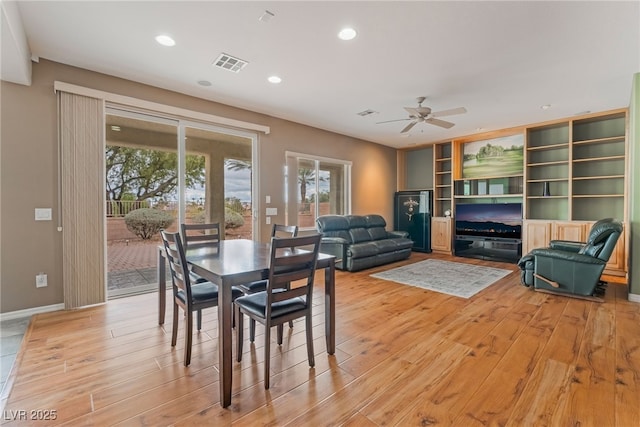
(235, 257)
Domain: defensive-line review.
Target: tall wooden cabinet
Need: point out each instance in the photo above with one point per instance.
(441, 224)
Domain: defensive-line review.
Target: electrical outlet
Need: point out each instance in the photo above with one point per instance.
(268, 220)
(41, 280)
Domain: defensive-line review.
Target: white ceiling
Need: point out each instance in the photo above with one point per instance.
(500, 60)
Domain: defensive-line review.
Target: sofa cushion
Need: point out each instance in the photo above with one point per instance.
(387, 245)
(359, 235)
(361, 250)
(377, 233)
(332, 223)
(334, 226)
(402, 242)
(375, 221)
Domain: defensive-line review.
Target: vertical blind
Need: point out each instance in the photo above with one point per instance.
(81, 134)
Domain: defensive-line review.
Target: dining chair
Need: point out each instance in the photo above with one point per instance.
(200, 234)
(188, 296)
(292, 259)
(278, 230)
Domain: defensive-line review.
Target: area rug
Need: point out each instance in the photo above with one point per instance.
(447, 277)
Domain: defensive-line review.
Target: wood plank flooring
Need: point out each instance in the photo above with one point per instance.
(405, 356)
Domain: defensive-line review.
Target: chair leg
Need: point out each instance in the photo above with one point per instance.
(240, 332)
(280, 329)
(174, 331)
(267, 354)
(187, 339)
(252, 330)
(199, 319)
(309, 326)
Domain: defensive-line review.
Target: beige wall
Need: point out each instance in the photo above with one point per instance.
(28, 172)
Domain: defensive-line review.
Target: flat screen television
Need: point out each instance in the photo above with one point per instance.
(495, 220)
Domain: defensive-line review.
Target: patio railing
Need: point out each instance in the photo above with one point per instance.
(118, 208)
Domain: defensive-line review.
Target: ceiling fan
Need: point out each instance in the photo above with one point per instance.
(423, 114)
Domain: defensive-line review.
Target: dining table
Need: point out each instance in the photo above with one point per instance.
(234, 262)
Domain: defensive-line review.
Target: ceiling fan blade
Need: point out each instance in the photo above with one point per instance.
(438, 122)
(412, 111)
(451, 112)
(408, 127)
(397, 120)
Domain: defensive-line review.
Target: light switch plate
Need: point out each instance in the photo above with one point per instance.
(272, 211)
(43, 214)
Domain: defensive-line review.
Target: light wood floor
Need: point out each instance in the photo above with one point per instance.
(405, 356)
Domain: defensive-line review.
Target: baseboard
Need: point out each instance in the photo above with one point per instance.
(30, 311)
(634, 297)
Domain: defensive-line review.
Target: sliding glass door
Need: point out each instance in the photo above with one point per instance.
(177, 171)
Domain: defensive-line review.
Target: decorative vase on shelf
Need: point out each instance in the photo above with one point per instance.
(545, 189)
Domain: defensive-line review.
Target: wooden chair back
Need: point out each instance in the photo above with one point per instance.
(292, 259)
(177, 263)
(280, 230)
(200, 234)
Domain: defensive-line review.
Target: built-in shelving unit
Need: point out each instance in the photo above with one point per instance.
(499, 189)
(582, 163)
(442, 160)
(547, 163)
(574, 173)
(599, 165)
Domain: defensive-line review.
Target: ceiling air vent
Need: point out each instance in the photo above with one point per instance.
(367, 112)
(230, 63)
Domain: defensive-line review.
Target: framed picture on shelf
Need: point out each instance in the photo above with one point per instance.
(503, 156)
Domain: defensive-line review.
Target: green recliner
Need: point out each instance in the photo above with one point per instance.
(572, 268)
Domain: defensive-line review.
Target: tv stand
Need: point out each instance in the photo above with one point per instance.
(489, 248)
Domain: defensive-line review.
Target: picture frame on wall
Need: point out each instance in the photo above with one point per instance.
(502, 156)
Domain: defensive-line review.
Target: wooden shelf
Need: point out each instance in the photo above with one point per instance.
(598, 159)
(488, 196)
(549, 180)
(596, 196)
(548, 147)
(583, 178)
(599, 140)
(547, 197)
(557, 162)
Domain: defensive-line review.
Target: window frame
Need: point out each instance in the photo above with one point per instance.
(291, 184)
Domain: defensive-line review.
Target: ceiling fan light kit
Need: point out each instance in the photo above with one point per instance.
(422, 114)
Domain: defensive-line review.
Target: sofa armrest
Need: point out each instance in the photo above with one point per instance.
(572, 273)
(559, 255)
(336, 246)
(394, 234)
(566, 245)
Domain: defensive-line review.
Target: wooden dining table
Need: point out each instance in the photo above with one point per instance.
(234, 262)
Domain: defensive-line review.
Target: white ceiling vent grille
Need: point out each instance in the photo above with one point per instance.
(230, 63)
(367, 113)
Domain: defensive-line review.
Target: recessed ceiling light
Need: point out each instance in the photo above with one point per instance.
(115, 128)
(165, 40)
(204, 82)
(546, 106)
(347, 34)
(274, 79)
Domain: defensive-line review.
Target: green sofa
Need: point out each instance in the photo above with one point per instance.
(361, 241)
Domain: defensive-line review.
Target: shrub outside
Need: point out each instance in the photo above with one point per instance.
(147, 222)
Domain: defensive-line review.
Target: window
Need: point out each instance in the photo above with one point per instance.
(318, 186)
